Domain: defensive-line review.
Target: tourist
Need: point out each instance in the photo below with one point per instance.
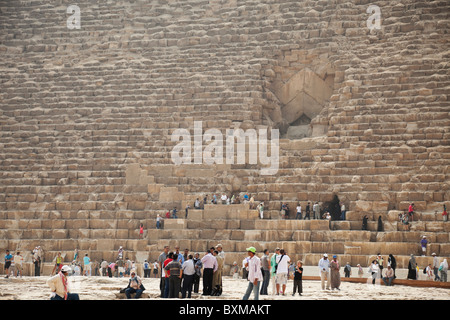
(146, 267)
(273, 269)
(75, 255)
(261, 210)
(209, 267)
(198, 271)
(444, 214)
(252, 203)
(59, 286)
(360, 270)
(423, 244)
(282, 263)
(187, 211)
(335, 277)
(298, 275)
(411, 211)
(265, 269)
(134, 286)
(158, 221)
(175, 275)
(58, 263)
(343, 211)
(141, 231)
(283, 210)
(168, 260)
(197, 204)
(224, 198)
(298, 216)
(219, 248)
(412, 272)
(374, 270)
(393, 263)
(316, 209)
(188, 272)
(429, 272)
(174, 213)
(161, 258)
(205, 200)
(214, 199)
(443, 269)
(168, 214)
(120, 253)
(36, 262)
(254, 274)
(111, 269)
(380, 262)
(87, 265)
(347, 270)
(324, 271)
(155, 269)
(388, 276)
(307, 211)
(217, 276)
(435, 267)
(364, 223)
(104, 267)
(18, 264)
(77, 270)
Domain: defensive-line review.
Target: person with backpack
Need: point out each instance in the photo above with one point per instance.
(347, 270)
(281, 266)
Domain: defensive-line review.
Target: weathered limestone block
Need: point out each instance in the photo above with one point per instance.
(175, 224)
(195, 214)
(319, 225)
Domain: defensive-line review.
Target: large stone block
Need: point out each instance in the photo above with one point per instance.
(178, 224)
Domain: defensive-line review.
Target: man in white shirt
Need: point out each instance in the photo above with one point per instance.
(282, 264)
(299, 212)
(188, 276)
(209, 267)
(254, 274)
(324, 271)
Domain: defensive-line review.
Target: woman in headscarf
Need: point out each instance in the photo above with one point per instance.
(380, 224)
(335, 277)
(364, 223)
(412, 271)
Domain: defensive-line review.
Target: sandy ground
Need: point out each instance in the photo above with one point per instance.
(104, 288)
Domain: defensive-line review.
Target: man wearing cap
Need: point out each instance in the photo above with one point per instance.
(254, 274)
(59, 286)
(324, 271)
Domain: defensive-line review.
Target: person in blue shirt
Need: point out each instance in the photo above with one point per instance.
(87, 265)
(8, 259)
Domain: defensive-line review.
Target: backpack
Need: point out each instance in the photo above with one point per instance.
(425, 270)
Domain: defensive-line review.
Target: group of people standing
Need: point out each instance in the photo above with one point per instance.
(182, 272)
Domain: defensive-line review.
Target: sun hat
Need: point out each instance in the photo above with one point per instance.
(251, 249)
(66, 269)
